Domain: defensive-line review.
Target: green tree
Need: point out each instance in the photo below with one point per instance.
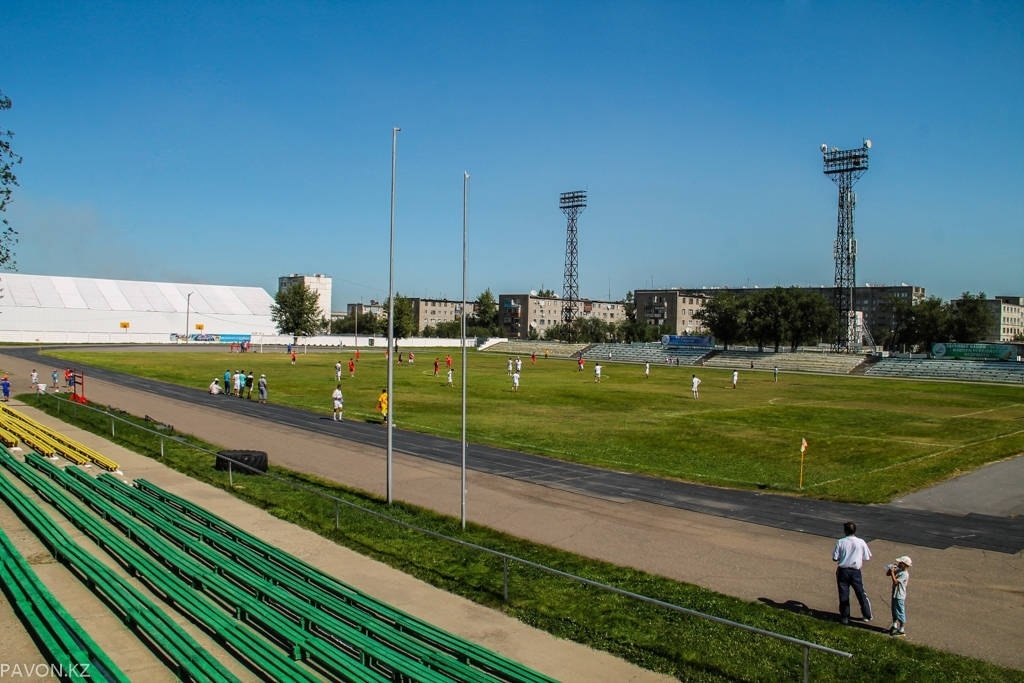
(592, 330)
(296, 311)
(451, 329)
(900, 326)
(723, 315)
(931, 322)
(8, 181)
(486, 315)
(811, 317)
(633, 329)
(970, 318)
(557, 332)
(546, 293)
(405, 319)
(369, 325)
(768, 313)
(629, 304)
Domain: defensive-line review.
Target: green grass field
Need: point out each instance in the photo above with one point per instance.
(869, 440)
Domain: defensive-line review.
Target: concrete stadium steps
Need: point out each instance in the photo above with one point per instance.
(525, 348)
(67, 646)
(171, 644)
(797, 361)
(654, 353)
(249, 618)
(959, 370)
(312, 585)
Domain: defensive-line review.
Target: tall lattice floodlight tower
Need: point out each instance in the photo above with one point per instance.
(571, 203)
(845, 167)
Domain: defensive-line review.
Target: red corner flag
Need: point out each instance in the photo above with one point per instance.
(803, 445)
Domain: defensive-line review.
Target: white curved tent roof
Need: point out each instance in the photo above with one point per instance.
(50, 308)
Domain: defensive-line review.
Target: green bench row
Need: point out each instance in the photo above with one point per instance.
(70, 651)
(381, 639)
(314, 585)
(250, 620)
(161, 634)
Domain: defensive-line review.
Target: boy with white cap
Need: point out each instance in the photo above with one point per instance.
(900, 575)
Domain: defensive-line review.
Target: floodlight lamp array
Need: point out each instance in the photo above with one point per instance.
(845, 160)
(573, 200)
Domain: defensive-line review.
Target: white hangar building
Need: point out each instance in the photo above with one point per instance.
(56, 309)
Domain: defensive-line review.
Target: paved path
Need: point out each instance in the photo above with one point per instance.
(965, 594)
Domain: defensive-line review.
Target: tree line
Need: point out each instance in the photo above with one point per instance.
(917, 326)
(777, 316)
(296, 312)
(774, 318)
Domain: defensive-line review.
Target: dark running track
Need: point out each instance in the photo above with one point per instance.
(821, 518)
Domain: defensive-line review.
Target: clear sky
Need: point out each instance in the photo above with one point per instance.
(233, 142)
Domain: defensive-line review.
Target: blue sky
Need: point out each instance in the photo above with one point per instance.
(233, 142)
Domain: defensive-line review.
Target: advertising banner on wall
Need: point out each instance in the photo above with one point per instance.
(688, 341)
(954, 351)
(221, 338)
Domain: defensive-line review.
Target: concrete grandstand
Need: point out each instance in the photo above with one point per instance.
(58, 309)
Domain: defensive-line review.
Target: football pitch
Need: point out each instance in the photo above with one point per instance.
(868, 439)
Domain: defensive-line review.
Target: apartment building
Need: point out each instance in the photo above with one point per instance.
(521, 315)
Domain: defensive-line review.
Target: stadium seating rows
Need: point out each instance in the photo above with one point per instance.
(959, 370)
(60, 636)
(796, 361)
(310, 616)
(657, 353)
(524, 348)
(16, 426)
(155, 628)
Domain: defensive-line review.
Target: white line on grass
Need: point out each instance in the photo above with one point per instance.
(927, 456)
(990, 410)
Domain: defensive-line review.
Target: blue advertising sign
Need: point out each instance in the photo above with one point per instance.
(688, 341)
(222, 338)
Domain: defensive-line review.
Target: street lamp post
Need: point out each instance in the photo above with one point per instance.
(188, 301)
(465, 217)
(391, 319)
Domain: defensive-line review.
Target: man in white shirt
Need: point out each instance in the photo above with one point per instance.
(215, 386)
(694, 384)
(851, 553)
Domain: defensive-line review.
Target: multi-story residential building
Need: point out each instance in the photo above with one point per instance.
(431, 312)
(360, 308)
(519, 315)
(676, 307)
(318, 284)
(1008, 314)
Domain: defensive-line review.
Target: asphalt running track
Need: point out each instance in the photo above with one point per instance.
(821, 518)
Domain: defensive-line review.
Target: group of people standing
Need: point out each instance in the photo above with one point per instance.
(240, 384)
